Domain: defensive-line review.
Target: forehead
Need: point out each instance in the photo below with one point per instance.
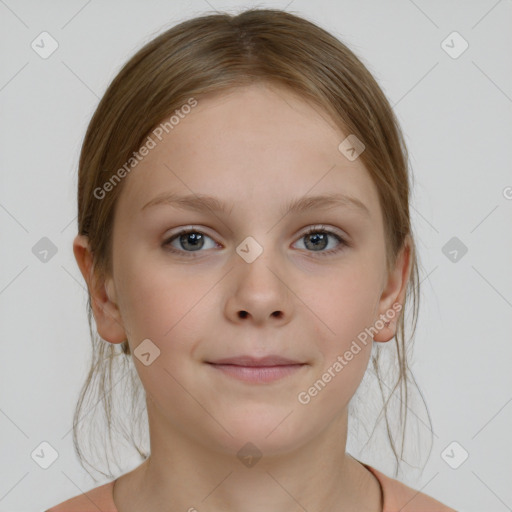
(253, 147)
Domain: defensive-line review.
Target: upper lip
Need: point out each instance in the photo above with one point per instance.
(271, 360)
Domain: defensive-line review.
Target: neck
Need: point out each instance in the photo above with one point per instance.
(189, 475)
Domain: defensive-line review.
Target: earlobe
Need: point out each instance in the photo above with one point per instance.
(106, 313)
(386, 333)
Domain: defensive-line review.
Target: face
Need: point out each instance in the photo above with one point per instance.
(248, 279)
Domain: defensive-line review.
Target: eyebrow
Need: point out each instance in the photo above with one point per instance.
(205, 203)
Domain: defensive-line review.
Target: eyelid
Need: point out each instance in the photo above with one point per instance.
(185, 230)
(325, 227)
(306, 230)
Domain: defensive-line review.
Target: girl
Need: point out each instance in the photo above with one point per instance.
(262, 142)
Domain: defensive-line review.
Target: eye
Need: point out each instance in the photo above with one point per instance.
(317, 239)
(191, 240)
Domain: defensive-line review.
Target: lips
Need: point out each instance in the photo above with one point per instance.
(247, 361)
(257, 370)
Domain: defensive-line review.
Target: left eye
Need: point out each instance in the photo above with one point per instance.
(191, 240)
(318, 238)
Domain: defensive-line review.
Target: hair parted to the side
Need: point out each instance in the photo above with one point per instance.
(210, 54)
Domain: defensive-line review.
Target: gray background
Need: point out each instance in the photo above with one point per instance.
(456, 114)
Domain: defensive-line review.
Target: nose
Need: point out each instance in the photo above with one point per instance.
(260, 294)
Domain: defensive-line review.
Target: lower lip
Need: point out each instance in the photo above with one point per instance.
(258, 374)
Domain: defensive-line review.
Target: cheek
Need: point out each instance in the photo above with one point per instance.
(168, 310)
(344, 310)
(345, 354)
(160, 303)
(344, 306)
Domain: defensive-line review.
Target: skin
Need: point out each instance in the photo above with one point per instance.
(254, 148)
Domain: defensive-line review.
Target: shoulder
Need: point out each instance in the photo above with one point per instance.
(399, 497)
(98, 498)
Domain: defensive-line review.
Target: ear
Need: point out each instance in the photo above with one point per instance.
(394, 293)
(102, 292)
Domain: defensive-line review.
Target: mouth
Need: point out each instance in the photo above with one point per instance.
(257, 370)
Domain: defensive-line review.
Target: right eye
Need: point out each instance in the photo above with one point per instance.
(190, 240)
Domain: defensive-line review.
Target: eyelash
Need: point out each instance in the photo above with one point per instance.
(313, 229)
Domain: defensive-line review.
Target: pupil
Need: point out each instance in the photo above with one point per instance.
(317, 240)
(193, 239)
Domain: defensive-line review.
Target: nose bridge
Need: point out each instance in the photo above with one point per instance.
(259, 283)
(254, 248)
(257, 254)
(261, 230)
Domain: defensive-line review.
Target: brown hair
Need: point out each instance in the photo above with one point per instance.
(215, 53)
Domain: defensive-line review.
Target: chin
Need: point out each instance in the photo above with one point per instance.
(266, 435)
